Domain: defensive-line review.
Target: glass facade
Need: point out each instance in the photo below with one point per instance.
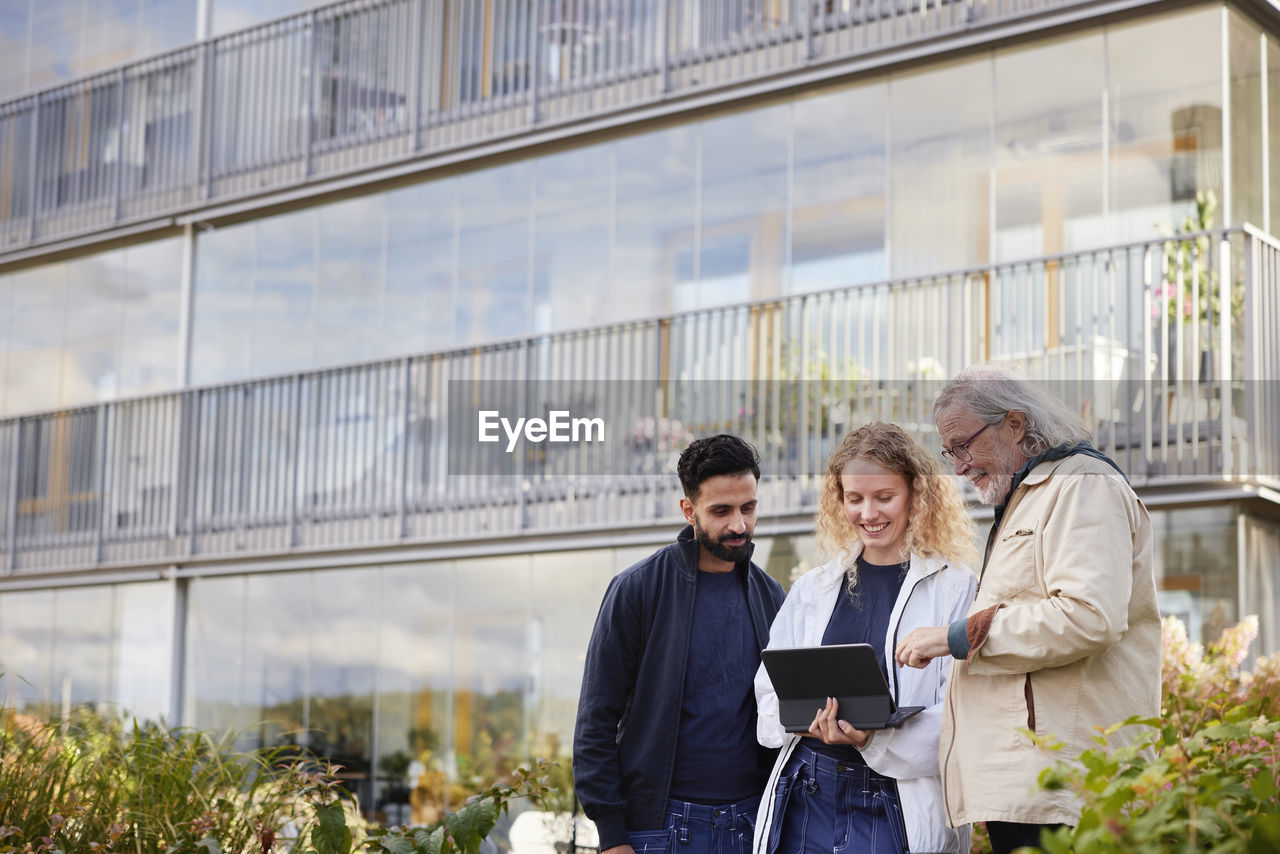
(91, 329)
(947, 166)
(46, 42)
(425, 680)
(106, 646)
(953, 165)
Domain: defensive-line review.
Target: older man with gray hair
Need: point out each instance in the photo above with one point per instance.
(1064, 635)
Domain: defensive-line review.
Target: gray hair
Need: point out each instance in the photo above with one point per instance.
(989, 391)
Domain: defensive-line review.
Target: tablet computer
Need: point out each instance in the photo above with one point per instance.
(804, 677)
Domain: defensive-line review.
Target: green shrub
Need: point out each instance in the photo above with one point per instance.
(1205, 776)
(92, 785)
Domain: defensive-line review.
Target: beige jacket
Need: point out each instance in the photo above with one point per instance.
(1065, 637)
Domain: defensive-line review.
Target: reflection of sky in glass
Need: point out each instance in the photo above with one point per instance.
(50, 41)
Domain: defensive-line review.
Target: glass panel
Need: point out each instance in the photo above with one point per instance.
(56, 33)
(1244, 57)
(222, 317)
(82, 646)
(940, 138)
(215, 663)
(1262, 586)
(349, 295)
(344, 658)
(838, 192)
(114, 28)
(1049, 148)
(231, 15)
(1196, 569)
(791, 557)
(421, 264)
(1273, 126)
(567, 590)
(151, 300)
(494, 636)
(494, 242)
(36, 334)
(415, 684)
(744, 196)
(14, 20)
(571, 234)
(1166, 120)
(26, 650)
(654, 207)
(284, 294)
(167, 24)
(277, 639)
(144, 648)
(93, 320)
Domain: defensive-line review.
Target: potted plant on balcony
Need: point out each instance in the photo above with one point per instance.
(1189, 293)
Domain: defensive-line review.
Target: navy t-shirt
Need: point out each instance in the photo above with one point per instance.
(717, 760)
(862, 618)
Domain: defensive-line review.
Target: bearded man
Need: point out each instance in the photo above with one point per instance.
(674, 652)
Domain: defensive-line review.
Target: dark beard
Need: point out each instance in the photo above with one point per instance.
(733, 554)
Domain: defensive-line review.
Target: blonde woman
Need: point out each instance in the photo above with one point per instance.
(898, 531)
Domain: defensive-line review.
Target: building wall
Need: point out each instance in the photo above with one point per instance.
(465, 667)
(1053, 146)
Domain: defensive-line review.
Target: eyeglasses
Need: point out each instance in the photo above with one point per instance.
(961, 451)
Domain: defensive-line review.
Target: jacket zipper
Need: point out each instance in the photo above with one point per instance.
(893, 670)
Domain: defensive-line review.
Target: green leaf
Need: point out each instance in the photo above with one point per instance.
(398, 845)
(210, 845)
(429, 843)
(483, 815)
(331, 835)
(1264, 786)
(1265, 838)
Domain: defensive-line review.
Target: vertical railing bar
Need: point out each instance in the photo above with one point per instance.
(120, 147)
(33, 169)
(193, 479)
(309, 109)
(104, 413)
(534, 55)
(1224, 343)
(417, 42)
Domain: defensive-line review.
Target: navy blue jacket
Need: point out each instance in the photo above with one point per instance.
(624, 744)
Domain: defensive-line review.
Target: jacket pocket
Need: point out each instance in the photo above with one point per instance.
(1031, 704)
(1012, 568)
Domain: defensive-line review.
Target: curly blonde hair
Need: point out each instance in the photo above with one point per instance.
(937, 525)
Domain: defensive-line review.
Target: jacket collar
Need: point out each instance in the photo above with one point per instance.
(688, 544)
(920, 567)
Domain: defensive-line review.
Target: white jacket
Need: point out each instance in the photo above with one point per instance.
(933, 594)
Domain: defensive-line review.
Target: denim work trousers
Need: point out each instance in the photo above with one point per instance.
(701, 829)
(823, 805)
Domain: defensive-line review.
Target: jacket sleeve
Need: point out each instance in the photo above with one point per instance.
(911, 750)
(787, 631)
(612, 660)
(1087, 564)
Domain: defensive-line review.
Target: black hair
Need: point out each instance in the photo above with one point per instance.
(712, 456)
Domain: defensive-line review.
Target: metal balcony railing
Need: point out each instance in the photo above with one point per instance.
(1167, 348)
(366, 83)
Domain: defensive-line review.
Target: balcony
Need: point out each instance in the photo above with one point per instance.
(370, 84)
(1167, 348)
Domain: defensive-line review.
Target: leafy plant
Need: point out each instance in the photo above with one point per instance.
(92, 785)
(1205, 776)
(462, 832)
(1190, 287)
